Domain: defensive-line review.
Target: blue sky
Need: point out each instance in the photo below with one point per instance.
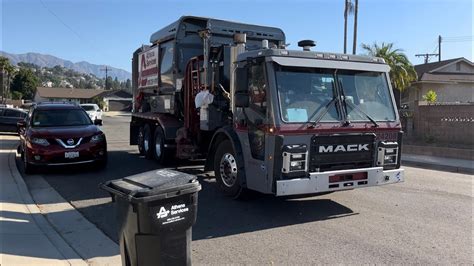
(107, 32)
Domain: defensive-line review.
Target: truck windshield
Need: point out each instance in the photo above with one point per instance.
(307, 93)
(59, 118)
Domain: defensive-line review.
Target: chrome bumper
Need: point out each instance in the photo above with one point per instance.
(319, 182)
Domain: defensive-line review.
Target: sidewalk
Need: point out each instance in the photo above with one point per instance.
(26, 237)
(39, 227)
(441, 163)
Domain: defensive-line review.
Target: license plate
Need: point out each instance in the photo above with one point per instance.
(71, 154)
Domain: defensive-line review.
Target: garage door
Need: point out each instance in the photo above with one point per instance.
(120, 105)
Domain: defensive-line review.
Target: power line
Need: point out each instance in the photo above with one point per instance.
(60, 20)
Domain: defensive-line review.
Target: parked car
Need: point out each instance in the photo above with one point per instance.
(9, 117)
(60, 134)
(93, 110)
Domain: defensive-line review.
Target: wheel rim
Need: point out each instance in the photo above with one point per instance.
(146, 142)
(158, 146)
(228, 170)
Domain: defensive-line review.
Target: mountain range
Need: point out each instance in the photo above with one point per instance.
(44, 60)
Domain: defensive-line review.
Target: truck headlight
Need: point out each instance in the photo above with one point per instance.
(40, 141)
(387, 154)
(294, 160)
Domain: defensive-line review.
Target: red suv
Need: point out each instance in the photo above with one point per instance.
(60, 134)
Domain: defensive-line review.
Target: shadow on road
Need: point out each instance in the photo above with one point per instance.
(218, 215)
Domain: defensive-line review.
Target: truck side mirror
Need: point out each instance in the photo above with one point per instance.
(241, 80)
(241, 99)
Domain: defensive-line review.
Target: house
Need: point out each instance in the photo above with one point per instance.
(117, 100)
(44, 94)
(452, 80)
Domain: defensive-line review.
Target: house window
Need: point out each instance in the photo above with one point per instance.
(458, 66)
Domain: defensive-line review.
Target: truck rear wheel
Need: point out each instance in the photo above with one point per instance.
(226, 170)
(141, 149)
(161, 154)
(147, 142)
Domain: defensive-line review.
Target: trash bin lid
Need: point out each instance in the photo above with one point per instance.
(153, 185)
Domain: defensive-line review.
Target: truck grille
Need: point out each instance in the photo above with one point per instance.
(339, 152)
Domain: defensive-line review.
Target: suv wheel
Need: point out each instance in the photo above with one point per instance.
(29, 168)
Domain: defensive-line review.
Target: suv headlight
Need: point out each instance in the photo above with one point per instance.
(97, 138)
(40, 141)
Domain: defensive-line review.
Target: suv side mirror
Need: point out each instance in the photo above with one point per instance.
(98, 122)
(241, 99)
(21, 124)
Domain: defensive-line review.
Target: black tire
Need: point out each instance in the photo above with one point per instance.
(141, 150)
(227, 170)
(161, 154)
(27, 167)
(148, 142)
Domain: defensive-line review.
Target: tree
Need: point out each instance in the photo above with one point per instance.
(25, 82)
(348, 9)
(8, 70)
(430, 97)
(128, 85)
(402, 72)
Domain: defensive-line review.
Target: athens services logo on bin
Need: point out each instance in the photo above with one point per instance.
(172, 214)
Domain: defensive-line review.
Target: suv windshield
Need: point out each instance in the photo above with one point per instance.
(58, 118)
(88, 107)
(309, 94)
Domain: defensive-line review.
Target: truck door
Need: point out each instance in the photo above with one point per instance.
(256, 120)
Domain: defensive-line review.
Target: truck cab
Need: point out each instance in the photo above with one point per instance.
(311, 122)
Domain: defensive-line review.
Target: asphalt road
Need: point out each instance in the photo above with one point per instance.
(426, 220)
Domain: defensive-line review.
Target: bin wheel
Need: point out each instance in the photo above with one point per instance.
(226, 170)
(141, 149)
(147, 142)
(162, 155)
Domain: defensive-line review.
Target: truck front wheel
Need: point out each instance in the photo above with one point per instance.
(226, 170)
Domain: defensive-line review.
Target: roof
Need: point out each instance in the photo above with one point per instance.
(67, 93)
(52, 106)
(221, 27)
(429, 71)
(117, 94)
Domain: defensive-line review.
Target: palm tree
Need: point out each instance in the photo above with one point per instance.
(402, 72)
(348, 9)
(8, 69)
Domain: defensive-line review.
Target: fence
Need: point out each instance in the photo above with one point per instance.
(453, 124)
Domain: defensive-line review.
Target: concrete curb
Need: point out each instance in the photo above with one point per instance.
(63, 248)
(432, 166)
(74, 234)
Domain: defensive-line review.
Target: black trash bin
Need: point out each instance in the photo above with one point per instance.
(155, 211)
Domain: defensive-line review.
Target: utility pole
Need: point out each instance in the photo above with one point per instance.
(106, 69)
(354, 44)
(439, 48)
(426, 56)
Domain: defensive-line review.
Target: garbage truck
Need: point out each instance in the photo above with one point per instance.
(264, 117)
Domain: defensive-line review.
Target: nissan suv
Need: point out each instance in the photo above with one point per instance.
(60, 134)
